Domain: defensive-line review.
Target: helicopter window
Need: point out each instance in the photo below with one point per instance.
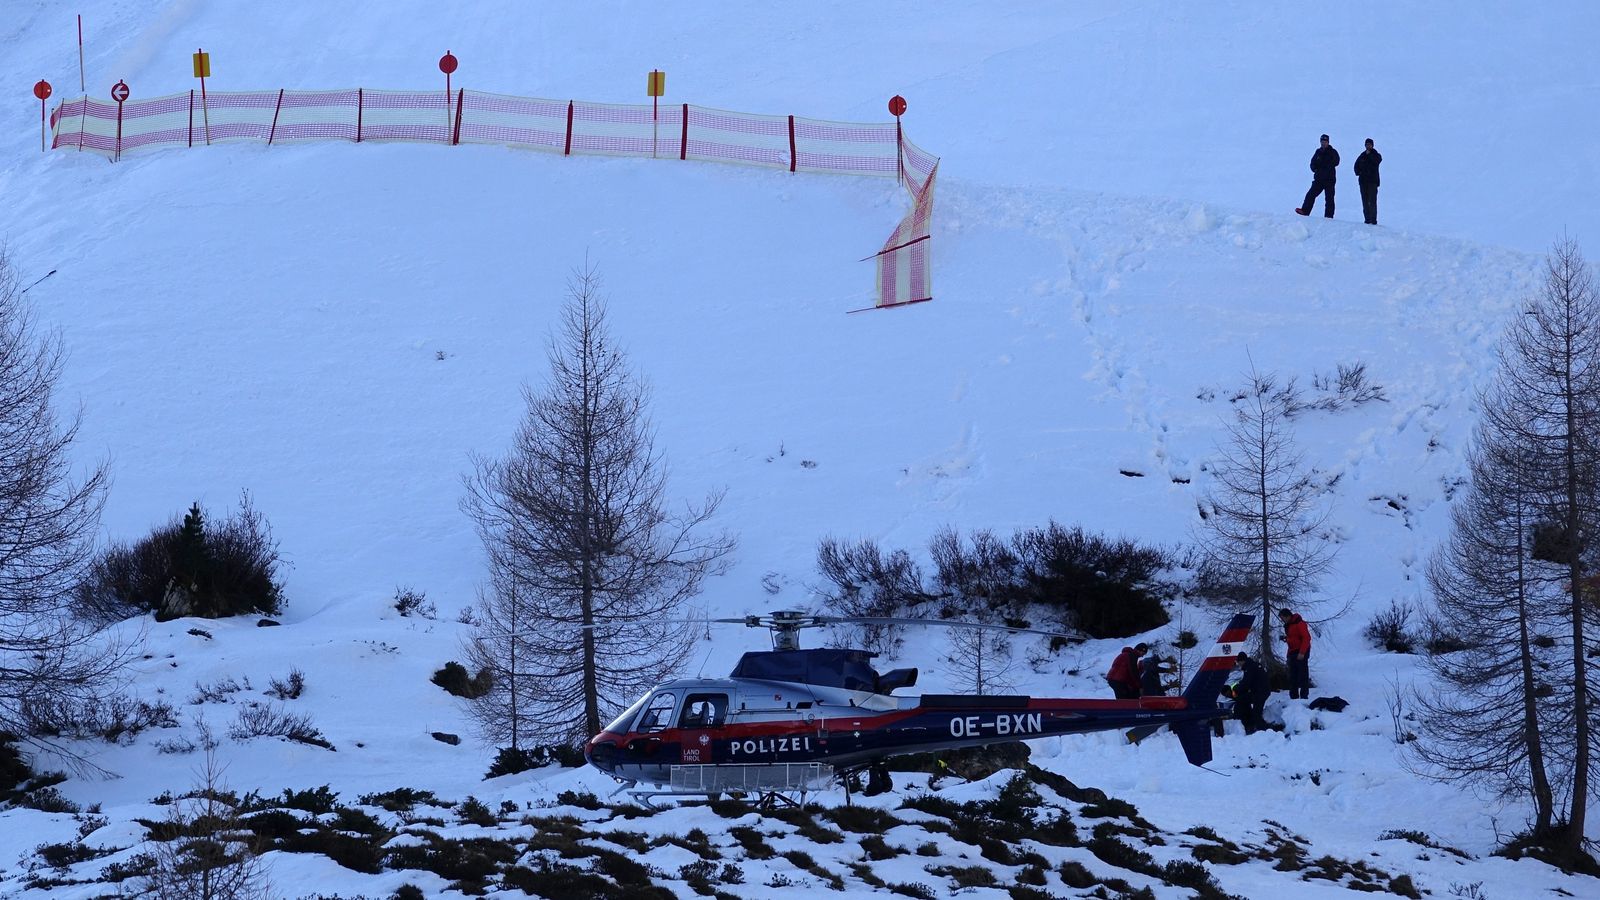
(704, 711)
(658, 715)
(619, 725)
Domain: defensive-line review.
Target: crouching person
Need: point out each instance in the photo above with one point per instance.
(1124, 674)
(1251, 694)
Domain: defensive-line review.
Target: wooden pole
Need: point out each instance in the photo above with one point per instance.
(279, 108)
(82, 85)
(205, 112)
(461, 97)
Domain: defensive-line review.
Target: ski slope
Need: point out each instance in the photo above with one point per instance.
(337, 328)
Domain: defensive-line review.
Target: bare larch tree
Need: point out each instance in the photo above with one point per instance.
(210, 853)
(1485, 720)
(51, 664)
(589, 569)
(1264, 530)
(1550, 414)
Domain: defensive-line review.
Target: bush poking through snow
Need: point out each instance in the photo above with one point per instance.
(289, 688)
(454, 679)
(1390, 630)
(192, 566)
(1104, 587)
(271, 721)
(409, 601)
(511, 760)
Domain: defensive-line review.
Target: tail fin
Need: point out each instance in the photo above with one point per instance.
(1207, 683)
(1203, 691)
(1196, 740)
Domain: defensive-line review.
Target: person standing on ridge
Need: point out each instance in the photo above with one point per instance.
(1251, 694)
(1324, 172)
(1367, 176)
(1124, 674)
(1298, 635)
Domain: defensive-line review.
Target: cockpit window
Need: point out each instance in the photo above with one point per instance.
(619, 725)
(658, 715)
(704, 711)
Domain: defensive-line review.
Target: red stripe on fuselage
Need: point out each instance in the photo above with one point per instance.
(1218, 663)
(1234, 636)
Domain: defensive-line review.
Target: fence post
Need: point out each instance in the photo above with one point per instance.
(568, 151)
(361, 100)
(191, 117)
(683, 148)
(791, 144)
(461, 97)
(83, 119)
(118, 157)
(275, 112)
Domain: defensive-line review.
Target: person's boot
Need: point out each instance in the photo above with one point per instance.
(1303, 212)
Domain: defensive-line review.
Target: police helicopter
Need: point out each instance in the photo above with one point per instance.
(792, 720)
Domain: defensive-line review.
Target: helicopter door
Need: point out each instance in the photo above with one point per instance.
(703, 716)
(657, 718)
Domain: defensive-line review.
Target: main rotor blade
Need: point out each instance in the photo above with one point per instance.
(890, 620)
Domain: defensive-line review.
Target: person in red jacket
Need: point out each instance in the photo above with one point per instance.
(1299, 638)
(1124, 674)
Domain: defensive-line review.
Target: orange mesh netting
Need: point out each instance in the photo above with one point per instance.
(675, 131)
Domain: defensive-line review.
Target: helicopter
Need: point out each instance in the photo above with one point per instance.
(789, 720)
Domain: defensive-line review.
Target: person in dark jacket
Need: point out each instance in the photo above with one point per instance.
(1367, 176)
(1124, 674)
(1150, 677)
(1298, 634)
(1251, 694)
(1324, 172)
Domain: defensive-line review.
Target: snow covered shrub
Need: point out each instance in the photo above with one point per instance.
(1104, 587)
(511, 760)
(193, 566)
(289, 688)
(453, 678)
(268, 721)
(866, 581)
(1390, 630)
(411, 602)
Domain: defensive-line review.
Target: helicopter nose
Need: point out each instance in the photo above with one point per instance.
(601, 754)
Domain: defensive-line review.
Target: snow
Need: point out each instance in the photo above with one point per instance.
(1112, 248)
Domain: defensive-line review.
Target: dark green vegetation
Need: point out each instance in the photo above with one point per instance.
(1065, 577)
(191, 566)
(584, 848)
(454, 679)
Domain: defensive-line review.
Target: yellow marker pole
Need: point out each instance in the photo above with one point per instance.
(202, 70)
(655, 87)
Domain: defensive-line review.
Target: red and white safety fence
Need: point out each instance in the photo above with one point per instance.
(676, 131)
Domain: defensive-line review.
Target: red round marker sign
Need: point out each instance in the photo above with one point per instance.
(119, 91)
(42, 90)
(897, 105)
(447, 63)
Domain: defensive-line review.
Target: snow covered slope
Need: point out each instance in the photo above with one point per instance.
(1111, 247)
